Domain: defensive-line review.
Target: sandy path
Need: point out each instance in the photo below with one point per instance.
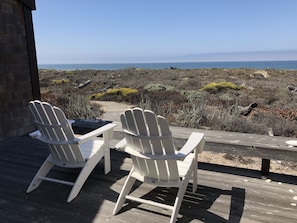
(112, 110)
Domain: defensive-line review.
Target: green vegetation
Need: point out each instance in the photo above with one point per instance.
(217, 87)
(118, 93)
(122, 91)
(96, 96)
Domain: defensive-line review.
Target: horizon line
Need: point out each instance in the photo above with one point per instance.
(150, 62)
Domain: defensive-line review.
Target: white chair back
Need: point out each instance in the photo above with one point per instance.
(56, 131)
(149, 134)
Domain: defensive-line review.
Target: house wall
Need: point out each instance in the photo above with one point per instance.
(18, 67)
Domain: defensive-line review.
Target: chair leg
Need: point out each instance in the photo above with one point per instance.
(107, 136)
(125, 191)
(42, 172)
(107, 164)
(179, 198)
(83, 175)
(194, 172)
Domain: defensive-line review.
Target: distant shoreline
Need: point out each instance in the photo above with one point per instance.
(278, 65)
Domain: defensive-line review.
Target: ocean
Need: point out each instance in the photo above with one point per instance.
(279, 65)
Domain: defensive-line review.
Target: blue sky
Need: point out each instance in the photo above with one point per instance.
(126, 31)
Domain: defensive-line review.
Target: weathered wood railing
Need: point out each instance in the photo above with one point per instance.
(243, 144)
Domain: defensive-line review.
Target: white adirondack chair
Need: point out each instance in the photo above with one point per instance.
(67, 150)
(155, 161)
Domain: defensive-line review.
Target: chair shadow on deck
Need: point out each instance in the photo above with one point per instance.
(196, 205)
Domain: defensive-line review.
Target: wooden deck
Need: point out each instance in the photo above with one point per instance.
(224, 194)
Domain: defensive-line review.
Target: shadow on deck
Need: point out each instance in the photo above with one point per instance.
(224, 194)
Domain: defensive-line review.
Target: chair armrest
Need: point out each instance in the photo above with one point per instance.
(70, 121)
(35, 134)
(195, 140)
(96, 132)
(133, 152)
(121, 145)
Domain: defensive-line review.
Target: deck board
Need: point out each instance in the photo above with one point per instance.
(224, 194)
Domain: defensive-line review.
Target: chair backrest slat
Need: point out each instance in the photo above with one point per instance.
(152, 126)
(154, 138)
(54, 127)
(128, 123)
(168, 144)
(157, 147)
(141, 124)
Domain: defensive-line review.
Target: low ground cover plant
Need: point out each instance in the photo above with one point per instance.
(114, 94)
(214, 87)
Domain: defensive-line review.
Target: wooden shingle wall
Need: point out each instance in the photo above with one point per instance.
(18, 67)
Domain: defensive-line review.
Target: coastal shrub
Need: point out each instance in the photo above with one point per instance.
(60, 81)
(193, 96)
(201, 116)
(191, 115)
(80, 107)
(55, 98)
(158, 87)
(164, 97)
(214, 87)
(227, 99)
(189, 83)
(281, 124)
(117, 94)
(285, 98)
(74, 106)
(239, 123)
(165, 103)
